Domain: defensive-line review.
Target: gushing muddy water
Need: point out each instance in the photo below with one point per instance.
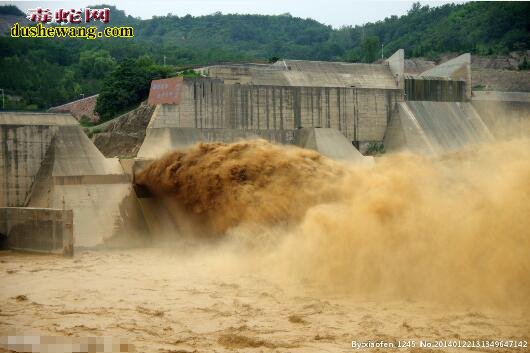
(453, 228)
(288, 251)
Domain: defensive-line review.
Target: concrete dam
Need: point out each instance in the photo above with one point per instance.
(59, 193)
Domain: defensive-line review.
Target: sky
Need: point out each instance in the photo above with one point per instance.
(336, 13)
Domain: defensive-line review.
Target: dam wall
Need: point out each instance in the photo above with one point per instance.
(37, 229)
(435, 89)
(22, 149)
(357, 100)
(437, 115)
(507, 114)
(48, 162)
(330, 143)
(303, 73)
(75, 175)
(24, 141)
(435, 127)
(458, 68)
(161, 140)
(361, 114)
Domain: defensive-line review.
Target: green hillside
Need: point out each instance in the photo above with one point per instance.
(478, 27)
(40, 73)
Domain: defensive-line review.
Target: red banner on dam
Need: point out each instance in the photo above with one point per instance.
(166, 91)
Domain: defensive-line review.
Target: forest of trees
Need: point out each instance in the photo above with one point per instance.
(40, 73)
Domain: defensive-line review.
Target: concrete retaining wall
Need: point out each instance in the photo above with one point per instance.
(22, 150)
(330, 143)
(396, 64)
(505, 120)
(435, 127)
(458, 68)
(38, 229)
(75, 175)
(302, 73)
(434, 89)
(47, 161)
(361, 114)
(25, 139)
(161, 140)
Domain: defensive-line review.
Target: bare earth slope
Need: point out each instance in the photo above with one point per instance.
(490, 73)
(124, 135)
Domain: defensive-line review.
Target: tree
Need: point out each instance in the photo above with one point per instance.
(40, 71)
(416, 7)
(370, 48)
(128, 85)
(11, 10)
(96, 64)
